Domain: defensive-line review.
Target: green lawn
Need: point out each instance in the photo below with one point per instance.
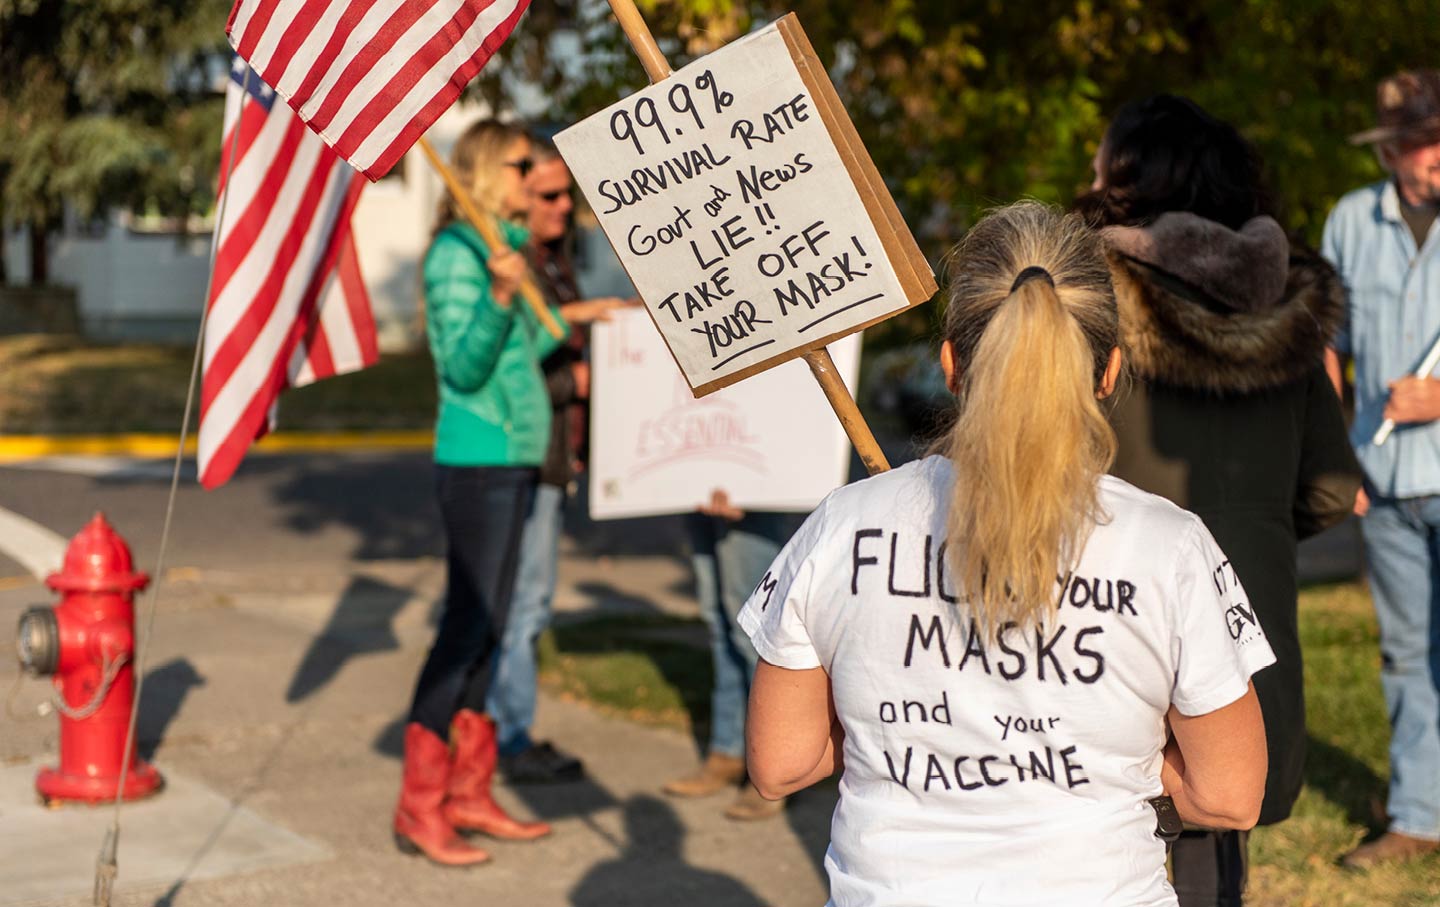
(657, 671)
(1346, 771)
(58, 384)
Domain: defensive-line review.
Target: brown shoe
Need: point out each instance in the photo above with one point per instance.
(717, 773)
(749, 806)
(1388, 848)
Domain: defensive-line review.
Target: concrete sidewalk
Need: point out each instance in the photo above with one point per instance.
(276, 701)
(277, 693)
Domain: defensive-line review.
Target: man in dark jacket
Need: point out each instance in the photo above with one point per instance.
(567, 377)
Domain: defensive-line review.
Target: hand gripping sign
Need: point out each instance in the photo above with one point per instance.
(747, 213)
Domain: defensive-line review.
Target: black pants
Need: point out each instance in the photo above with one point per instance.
(1210, 868)
(483, 508)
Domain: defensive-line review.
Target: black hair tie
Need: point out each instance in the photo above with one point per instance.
(1031, 273)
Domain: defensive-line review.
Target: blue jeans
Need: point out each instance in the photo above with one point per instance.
(512, 695)
(1402, 546)
(483, 508)
(730, 559)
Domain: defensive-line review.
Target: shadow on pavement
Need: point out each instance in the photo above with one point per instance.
(551, 802)
(360, 623)
(396, 518)
(259, 781)
(391, 739)
(1347, 782)
(165, 690)
(808, 814)
(651, 870)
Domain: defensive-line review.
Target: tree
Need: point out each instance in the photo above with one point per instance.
(107, 103)
(966, 104)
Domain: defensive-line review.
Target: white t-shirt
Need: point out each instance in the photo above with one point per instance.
(1018, 773)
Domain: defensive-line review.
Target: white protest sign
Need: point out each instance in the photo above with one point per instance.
(736, 214)
(769, 442)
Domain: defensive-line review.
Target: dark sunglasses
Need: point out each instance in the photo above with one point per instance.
(552, 197)
(524, 165)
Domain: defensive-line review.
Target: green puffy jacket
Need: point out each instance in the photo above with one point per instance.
(494, 408)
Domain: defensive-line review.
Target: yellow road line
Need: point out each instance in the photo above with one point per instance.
(30, 447)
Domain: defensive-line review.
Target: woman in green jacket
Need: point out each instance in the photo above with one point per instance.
(490, 439)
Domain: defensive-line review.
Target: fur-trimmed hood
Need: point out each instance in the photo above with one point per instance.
(1209, 308)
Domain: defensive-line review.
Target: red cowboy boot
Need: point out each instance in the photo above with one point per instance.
(420, 823)
(470, 804)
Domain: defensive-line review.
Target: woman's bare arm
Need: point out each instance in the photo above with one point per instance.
(792, 737)
(1215, 764)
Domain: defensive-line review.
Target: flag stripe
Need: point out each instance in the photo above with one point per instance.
(338, 332)
(315, 349)
(449, 91)
(352, 287)
(255, 27)
(244, 240)
(307, 68)
(329, 70)
(278, 273)
(271, 297)
(303, 23)
(260, 375)
(413, 75)
(300, 371)
(372, 59)
(252, 122)
(371, 77)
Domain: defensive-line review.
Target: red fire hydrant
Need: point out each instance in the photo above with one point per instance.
(88, 642)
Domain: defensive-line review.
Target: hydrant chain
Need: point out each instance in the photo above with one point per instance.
(112, 670)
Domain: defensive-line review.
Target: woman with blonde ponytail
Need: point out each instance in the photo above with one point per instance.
(1018, 664)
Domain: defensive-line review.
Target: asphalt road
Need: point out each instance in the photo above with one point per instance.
(282, 510)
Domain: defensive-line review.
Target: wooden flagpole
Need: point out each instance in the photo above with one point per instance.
(821, 365)
(485, 226)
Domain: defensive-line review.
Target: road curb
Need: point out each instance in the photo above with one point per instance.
(15, 448)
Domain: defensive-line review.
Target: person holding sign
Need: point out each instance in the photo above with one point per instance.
(490, 439)
(730, 549)
(1022, 667)
(567, 381)
(1231, 416)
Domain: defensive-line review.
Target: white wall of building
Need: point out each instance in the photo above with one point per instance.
(152, 286)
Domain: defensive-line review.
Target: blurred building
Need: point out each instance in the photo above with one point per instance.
(134, 280)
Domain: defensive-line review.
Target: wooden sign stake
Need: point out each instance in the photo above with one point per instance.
(485, 226)
(821, 365)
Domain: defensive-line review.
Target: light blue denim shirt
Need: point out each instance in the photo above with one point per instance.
(1390, 324)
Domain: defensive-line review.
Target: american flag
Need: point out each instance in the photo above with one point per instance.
(370, 76)
(287, 305)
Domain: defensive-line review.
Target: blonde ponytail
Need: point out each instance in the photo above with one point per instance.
(1030, 440)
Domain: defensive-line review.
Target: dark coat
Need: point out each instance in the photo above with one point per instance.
(551, 263)
(1229, 414)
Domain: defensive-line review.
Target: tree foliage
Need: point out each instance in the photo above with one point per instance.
(968, 104)
(965, 104)
(108, 102)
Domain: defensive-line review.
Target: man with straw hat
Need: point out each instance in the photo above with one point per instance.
(1384, 242)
